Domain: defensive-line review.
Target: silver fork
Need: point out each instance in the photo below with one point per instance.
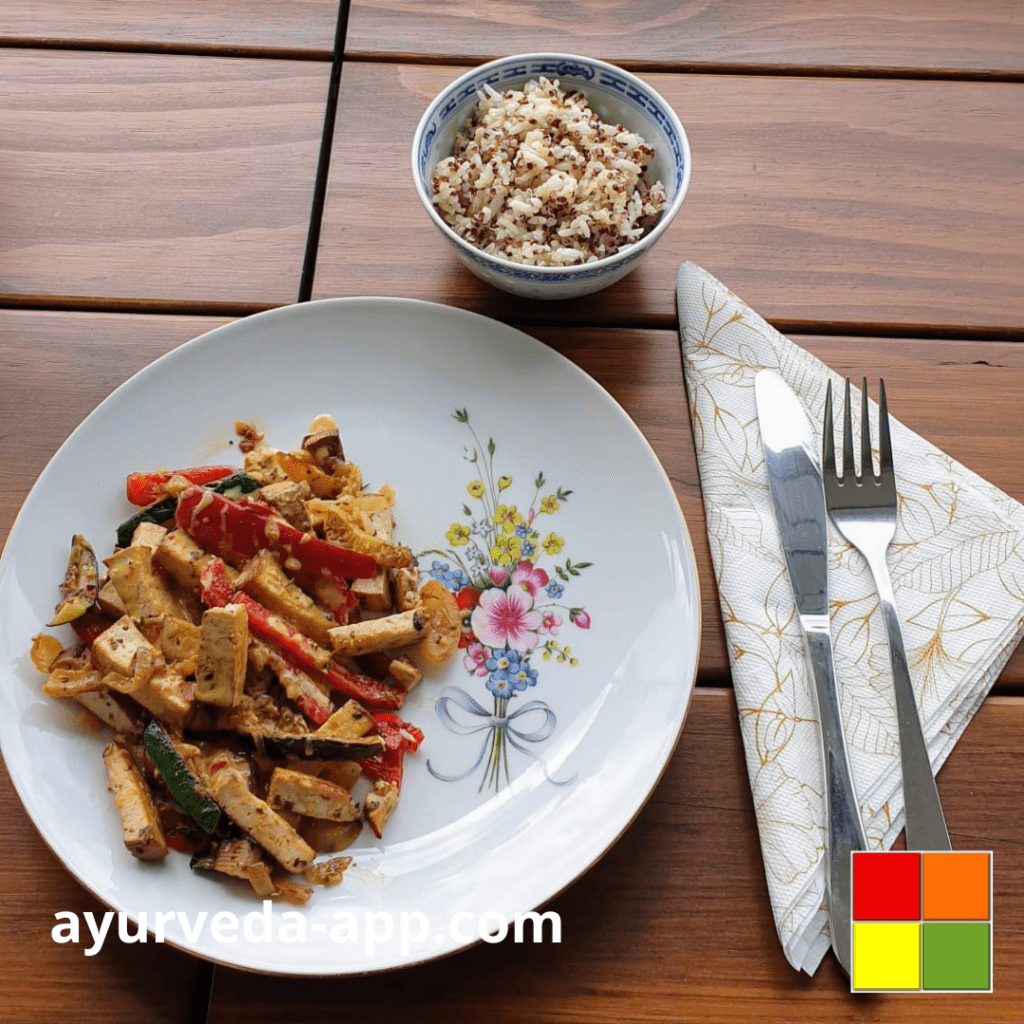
(863, 507)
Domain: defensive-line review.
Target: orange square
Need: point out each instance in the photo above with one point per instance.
(956, 886)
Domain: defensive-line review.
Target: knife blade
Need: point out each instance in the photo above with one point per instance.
(798, 498)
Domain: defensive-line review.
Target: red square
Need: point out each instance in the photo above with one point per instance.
(886, 886)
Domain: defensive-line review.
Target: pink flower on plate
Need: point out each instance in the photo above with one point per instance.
(528, 577)
(506, 619)
(497, 574)
(475, 659)
(582, 619)
(549, 624)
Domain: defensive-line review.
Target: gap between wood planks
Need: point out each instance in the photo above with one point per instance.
(661, 322)
(895, 73)
(323, 166)
(339, 56)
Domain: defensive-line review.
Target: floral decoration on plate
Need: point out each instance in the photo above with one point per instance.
(514, 609)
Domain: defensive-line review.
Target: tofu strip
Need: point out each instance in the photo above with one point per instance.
(376, 634)
(117, 648)
(223, 655)
(140, 823)
(306, 794)
(350, 721)
(375, 593)
(259, 820)
(139, 586)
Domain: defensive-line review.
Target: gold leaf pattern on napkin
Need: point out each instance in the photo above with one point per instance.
(957, 564)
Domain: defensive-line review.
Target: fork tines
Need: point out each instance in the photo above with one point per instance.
(885, 466)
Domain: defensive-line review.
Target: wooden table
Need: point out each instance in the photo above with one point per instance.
(858, 179)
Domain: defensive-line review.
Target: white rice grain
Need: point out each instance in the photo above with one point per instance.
(537, 178)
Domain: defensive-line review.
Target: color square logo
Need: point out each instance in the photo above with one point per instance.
(921, 922)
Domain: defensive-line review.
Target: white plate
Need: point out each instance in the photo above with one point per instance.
(455, 861)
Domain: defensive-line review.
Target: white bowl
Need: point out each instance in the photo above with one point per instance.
(617, 97)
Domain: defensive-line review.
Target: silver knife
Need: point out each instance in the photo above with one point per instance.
(798, 496)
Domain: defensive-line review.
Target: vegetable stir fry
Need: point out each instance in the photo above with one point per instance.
(249, 643)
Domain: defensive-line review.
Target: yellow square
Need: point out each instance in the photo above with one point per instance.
(886, 956)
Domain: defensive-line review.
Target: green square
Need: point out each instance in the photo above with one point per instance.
(956, 956)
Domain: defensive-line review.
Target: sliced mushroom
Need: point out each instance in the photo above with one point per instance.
(81, 583)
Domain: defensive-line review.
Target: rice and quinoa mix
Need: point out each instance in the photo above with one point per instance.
(537, 177)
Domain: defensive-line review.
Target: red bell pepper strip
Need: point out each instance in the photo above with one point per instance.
(145, 488)
(215, 587)
(364, 689)
(387, 766)
(331, 591)
(243, 528)
(399, 736)
(297, 648)
(89, 626)
(310, 699)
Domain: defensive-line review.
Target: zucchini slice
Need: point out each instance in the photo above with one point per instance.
(327, 748)
(180, 781)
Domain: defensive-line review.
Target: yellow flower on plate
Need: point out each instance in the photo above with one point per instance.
(476, 488)
(553, 543)
(458, 535)
(507, 549)
(504, 483)
(549, 504)
(508, 518)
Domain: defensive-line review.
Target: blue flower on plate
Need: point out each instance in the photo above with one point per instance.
(503, 665)
(525, 676)
(501, 687)
(555, 590)
(455, 580)
(523, 531)
(528, 548)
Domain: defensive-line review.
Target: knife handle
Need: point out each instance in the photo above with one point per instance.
(844, 830)
(926, 824)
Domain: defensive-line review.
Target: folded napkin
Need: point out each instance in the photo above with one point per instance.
(957, 565)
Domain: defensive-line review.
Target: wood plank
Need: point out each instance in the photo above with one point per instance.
(820, 201)
(919, 35)
(57, 368)
(301, 27)
(44, 981)
(142, 177)
(47, 394)
(673, 924)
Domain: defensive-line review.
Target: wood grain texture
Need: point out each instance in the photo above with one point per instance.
(819, 201)
(918, 35)
(149, 177)
(43, 981)
(57, 367)
(45, 394)
(300, 26)
(673, 924)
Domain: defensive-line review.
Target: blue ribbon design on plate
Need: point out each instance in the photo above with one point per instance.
(493, 723)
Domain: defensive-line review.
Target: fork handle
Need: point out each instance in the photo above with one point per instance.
(926, 826)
